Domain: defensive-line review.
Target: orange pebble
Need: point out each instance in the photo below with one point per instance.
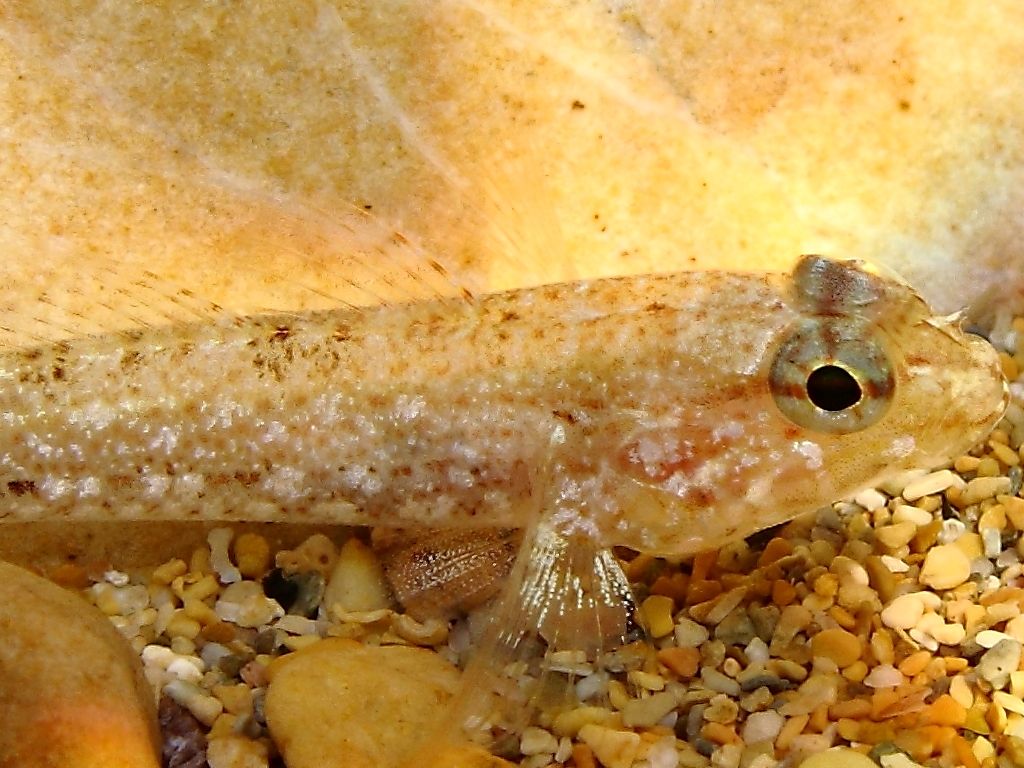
(946, 710)
(915, 663)
(852, 708)
(673, 586)
(720, 734)
(774, 550)
(702, 565)
(702, 591)
(636, 569)
(583, 756)
(783, 593)
(962, 752)
(683, 661)
(70, 576)
(792, 728)
(819, 719)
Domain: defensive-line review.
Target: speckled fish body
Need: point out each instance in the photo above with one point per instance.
(668, 413)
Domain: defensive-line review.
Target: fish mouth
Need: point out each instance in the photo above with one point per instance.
(983, 353)
(981, 388)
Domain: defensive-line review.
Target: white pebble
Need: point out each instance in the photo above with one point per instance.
(244, 604)
(158, 656)
(897, 760)
(924, 639)
(996, 664)
(219, 540)
(907, 513)
(935, 482)
(949, 634)
(895, 564)
(117, 578)
(762, 726)
(663, 754)
(690, 634)
(871, 499)
(212, 653)
(757, 651)
(298, 625)
(884, 676)
(564, 751)
(205, 708)
(592, 685)
(1015, 728)
(988, 638)
(1008, 702)
(951, 531)
(537, 741)
(993, 541)
(903, 612)
(184, 669)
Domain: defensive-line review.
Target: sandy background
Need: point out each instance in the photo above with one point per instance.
(223, 146)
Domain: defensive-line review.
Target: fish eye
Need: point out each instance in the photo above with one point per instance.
(833, 388)
(830, 375)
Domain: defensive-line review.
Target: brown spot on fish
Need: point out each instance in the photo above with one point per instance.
(21, 487)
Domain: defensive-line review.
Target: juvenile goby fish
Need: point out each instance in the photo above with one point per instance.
(668, 413)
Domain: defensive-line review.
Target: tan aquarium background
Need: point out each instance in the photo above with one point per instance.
(517, 143)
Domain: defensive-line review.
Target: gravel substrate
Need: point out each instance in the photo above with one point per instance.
(889, 624)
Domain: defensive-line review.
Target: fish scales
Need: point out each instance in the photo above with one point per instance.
(651, 411)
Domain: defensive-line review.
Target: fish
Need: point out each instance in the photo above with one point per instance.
(667, 413)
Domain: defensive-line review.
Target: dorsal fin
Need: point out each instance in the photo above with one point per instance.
(252, 253)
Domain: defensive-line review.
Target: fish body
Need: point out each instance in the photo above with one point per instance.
(666, 412)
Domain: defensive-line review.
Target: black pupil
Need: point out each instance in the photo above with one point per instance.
(832, 388)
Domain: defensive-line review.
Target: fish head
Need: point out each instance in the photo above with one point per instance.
(860, 382)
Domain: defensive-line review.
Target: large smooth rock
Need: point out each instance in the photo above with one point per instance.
(340, 704)
(72, 693)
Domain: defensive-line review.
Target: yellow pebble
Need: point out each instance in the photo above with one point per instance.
(840, 646)
(657, 610)
(896, 535)
(961, 691)
(945, 566)
(856, 672)
(981, 488)
(987, 467)
(993, 517)
(298, 642)
(1005, 454)
(1014, 508)
(182, 625)
(965, 464)
(199, 589)
(252, 555)
(970, 544)
(882, 647)
(838, 757)
(618, 697)
(200, 611)
(200, 561)
(169, 571)
(613, 748)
